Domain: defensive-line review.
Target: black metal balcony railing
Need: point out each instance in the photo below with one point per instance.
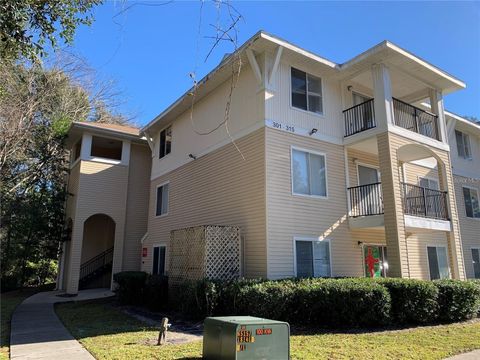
(424, 202)
(359, 118)
(366, 200)
(414, 119)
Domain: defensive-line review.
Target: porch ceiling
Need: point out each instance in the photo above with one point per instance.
(411, 76)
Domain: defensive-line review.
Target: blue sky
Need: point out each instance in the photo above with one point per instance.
(150, 48)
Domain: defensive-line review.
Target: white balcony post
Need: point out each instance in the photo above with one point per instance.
(382, 93)
(436, 102)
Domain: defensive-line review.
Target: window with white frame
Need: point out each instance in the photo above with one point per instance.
(463, 145)
(308, 173)
(472, 207)
(438, 262)
(312, 258)
(165, 142)
(159, 260)
(162, 200)
(476, 262)
(306, 91)
(428, 183)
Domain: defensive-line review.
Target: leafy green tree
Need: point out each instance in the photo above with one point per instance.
(26, 26)
(37, 107)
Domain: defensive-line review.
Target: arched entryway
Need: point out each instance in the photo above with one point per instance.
(97, 251)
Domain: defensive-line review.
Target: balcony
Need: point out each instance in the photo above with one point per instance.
(424, 202)
(361, 117)
(418, 202)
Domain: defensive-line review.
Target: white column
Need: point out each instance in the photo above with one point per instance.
(436, 101)
(382, 93)
(86, 146)
(125, 152)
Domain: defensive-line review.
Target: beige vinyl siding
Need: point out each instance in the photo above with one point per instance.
(278, 104)
(137, 205)
(357, 157)
(469, 228)
(192, 131)
(446, 182)
(388, 144)
(102, 190)
(413, 172)
(73, 180)
(461, 166)
(291, 215)
(417, 251)
(219, 188)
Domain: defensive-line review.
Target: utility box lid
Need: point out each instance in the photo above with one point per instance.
(245, 337)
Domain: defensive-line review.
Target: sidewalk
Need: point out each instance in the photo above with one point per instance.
(37, 332)
(474, 355)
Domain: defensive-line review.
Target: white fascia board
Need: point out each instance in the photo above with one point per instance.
(290, 46)
(227, 60)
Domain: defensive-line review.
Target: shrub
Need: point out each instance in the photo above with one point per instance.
(193, 298)
(156, 292)
(271, 299)
(130, 286)
(457, 300)
(413, 301)
(207, 297)
(341, 302)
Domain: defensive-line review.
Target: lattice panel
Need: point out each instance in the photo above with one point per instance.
(187, 254)
(222, 255)
(204, 252)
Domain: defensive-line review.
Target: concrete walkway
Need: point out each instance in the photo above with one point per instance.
(474, 355)
(37, 332)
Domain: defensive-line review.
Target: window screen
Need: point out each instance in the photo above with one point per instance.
(162, 200)
(158, 260)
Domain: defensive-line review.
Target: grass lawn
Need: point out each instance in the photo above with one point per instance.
(110, 334)
(9, 302)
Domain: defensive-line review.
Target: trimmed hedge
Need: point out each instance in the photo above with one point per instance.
(413, 301)
(131, 286)
(340, 302)
(353, 302)
(140, 288)
(156, 292)
(457, 300)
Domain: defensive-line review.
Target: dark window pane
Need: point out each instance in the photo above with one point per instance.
(168, 140)
(433, 263)
(161, 267)
(155, 260)
(162, 144)
(304, 258)
(299, 89)
(468, 202)
(159, 200)
(299, 101)
(314, 85)
(315, 104)
(476, 262)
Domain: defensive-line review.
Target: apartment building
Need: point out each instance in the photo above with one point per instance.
(328, 169)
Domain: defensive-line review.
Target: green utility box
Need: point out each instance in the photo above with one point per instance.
(245, 337)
